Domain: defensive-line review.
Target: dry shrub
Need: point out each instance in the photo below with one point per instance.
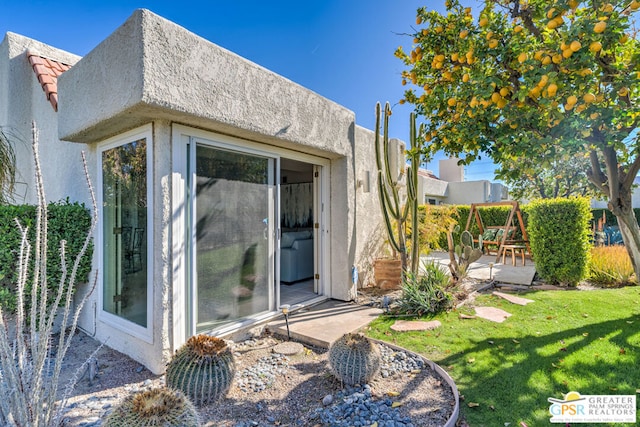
(434, 221)
(610, 266)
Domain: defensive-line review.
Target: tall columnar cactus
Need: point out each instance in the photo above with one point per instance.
(203, 369)
(161, 407)
(354, 359)
(393, 210)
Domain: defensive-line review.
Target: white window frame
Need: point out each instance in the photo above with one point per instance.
(120, 323)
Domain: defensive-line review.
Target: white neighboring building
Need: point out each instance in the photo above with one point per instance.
(452, 189)
(431, 190)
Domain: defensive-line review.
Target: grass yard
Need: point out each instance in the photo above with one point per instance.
(584, 341)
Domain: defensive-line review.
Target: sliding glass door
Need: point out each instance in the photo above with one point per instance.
(233, 234)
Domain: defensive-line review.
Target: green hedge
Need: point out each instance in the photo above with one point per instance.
(67, 221)
(559, 236)
(611, 219)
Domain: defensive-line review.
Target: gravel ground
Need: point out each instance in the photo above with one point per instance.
(271, 389)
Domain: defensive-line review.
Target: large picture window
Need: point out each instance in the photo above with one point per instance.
(124, 231)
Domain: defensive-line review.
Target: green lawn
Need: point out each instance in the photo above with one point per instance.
(584, 341)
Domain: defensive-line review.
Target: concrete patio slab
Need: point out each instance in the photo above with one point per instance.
(322, 324)
(492, 313)
(512, 298)
(504, 273)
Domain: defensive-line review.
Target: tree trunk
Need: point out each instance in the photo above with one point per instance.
(630, 236)
(617, 184)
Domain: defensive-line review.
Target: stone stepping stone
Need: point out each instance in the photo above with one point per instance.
(288, 348)
(512, 298)
(492, 313)
(415, 325)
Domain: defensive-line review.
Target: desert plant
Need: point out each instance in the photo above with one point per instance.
(30, 370)
(465, 251)
(395, 214)
(426, 293)
(610, 266)
(354, 359)
(161, 407)
(203, 369)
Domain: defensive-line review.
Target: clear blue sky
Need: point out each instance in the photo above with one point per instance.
(340, 49)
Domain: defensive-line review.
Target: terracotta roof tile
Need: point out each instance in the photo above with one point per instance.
(47, 71)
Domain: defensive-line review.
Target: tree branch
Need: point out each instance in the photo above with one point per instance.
(611, 170)
(595, 174)
(629, 177)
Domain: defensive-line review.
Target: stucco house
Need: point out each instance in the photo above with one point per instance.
(224, 190)
(452, 189)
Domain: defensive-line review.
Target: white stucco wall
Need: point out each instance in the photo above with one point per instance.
(22, 101)
(160, 72)
(467, 192)
(152, 71)
(370, 230)
(450, 171)
(157, 69)
(431, 188)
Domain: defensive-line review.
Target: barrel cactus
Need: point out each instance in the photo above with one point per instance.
(203, 369)
(161, 407)
(354, 359)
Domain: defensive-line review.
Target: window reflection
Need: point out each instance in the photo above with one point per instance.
(124, 210)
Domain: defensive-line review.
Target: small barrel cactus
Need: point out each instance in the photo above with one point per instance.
(203, 369)
(162, 407)
(354, 359)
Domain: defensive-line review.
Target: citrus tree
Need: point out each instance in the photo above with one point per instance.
(565, 176)
(532, 79)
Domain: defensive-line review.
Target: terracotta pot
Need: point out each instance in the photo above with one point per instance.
(388, 273)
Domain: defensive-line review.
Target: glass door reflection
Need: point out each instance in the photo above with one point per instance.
(234, 235)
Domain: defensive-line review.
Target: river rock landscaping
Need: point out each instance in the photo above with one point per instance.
(272, 389)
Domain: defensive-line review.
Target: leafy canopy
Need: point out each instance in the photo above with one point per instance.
(527, 79)
(565, 177)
